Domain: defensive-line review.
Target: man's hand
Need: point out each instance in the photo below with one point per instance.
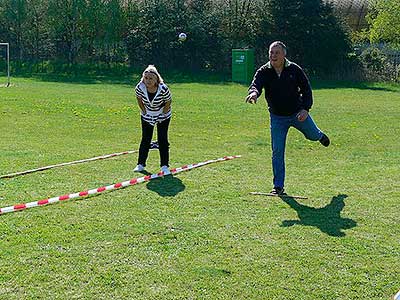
(251, 98)
(302, 115)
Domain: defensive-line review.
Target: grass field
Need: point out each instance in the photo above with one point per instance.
(199, 234)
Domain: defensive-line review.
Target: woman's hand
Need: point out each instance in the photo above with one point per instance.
(141, 105)
(166, 107)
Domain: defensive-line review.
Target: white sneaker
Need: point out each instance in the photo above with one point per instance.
(138, 168)
(165, 170)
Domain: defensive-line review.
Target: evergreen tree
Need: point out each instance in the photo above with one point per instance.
(315, 37)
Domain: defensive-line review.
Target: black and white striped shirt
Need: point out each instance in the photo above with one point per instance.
(154, 108)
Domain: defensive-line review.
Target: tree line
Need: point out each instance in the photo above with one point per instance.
(137, 33)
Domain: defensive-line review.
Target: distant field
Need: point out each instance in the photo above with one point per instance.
(199, 234)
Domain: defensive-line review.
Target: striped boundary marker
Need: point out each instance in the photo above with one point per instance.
(397, 296)
(111, 187)
(68, 163)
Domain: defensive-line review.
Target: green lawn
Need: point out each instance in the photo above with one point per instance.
(199, 234)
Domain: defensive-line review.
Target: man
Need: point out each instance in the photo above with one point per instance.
(289, 97)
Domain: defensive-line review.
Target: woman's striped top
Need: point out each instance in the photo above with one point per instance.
(154, 108)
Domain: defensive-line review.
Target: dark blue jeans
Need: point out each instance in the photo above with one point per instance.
(162, 138)
(279, 128)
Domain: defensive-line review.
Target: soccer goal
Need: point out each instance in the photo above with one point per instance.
(7, 46)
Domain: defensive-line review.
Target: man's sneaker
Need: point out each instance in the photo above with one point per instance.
(165, 170)
(278, 191)
(138, 168)
(324, 140)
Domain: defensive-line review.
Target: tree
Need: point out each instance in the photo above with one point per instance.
(37, 36)
(94, 20)
(145, 31)
(114, 31)
(15, 18)
(384, 20)
(315, 37)
(153, 38)
(205, 47)
(66, 23)
(239, 21)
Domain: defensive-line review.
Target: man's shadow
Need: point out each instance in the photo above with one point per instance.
(167, 186)
(327, 218)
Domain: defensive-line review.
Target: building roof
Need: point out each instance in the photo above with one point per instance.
(354, 11)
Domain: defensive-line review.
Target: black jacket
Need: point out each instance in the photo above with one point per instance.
(287, 94)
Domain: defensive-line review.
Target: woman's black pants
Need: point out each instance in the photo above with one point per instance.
(162, 138)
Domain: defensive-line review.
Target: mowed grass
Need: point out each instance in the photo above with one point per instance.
(199, 234)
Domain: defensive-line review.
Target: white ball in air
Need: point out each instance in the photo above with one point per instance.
(182, 36)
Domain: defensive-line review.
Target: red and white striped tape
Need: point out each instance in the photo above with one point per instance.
(397, 296)
(118, 185)
(68, 163)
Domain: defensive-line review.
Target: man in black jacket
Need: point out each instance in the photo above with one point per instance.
(289, 97)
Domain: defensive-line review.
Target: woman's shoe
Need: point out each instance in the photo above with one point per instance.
(138, 168)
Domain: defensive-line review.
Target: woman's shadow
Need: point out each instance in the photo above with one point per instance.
(327, 218)
(167, 186)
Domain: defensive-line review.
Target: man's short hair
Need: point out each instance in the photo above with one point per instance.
(278, 43)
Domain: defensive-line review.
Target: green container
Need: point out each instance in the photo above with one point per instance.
(242, 65)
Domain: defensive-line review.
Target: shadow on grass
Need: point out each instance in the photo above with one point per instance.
(86, 79)
(167, 186)
(334, 84)
(327, 218)
(129, 79)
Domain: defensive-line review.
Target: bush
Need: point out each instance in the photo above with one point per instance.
(377, 66)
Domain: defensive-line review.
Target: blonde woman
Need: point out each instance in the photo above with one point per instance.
(154, 100)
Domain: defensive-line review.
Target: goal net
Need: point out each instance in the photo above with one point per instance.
(5, 61)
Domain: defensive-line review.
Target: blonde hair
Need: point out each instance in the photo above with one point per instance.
(153, 70)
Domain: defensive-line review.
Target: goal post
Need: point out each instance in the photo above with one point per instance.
(7, 45)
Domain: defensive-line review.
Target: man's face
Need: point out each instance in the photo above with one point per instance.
(276, 56)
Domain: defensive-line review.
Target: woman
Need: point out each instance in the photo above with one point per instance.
(154, 100)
